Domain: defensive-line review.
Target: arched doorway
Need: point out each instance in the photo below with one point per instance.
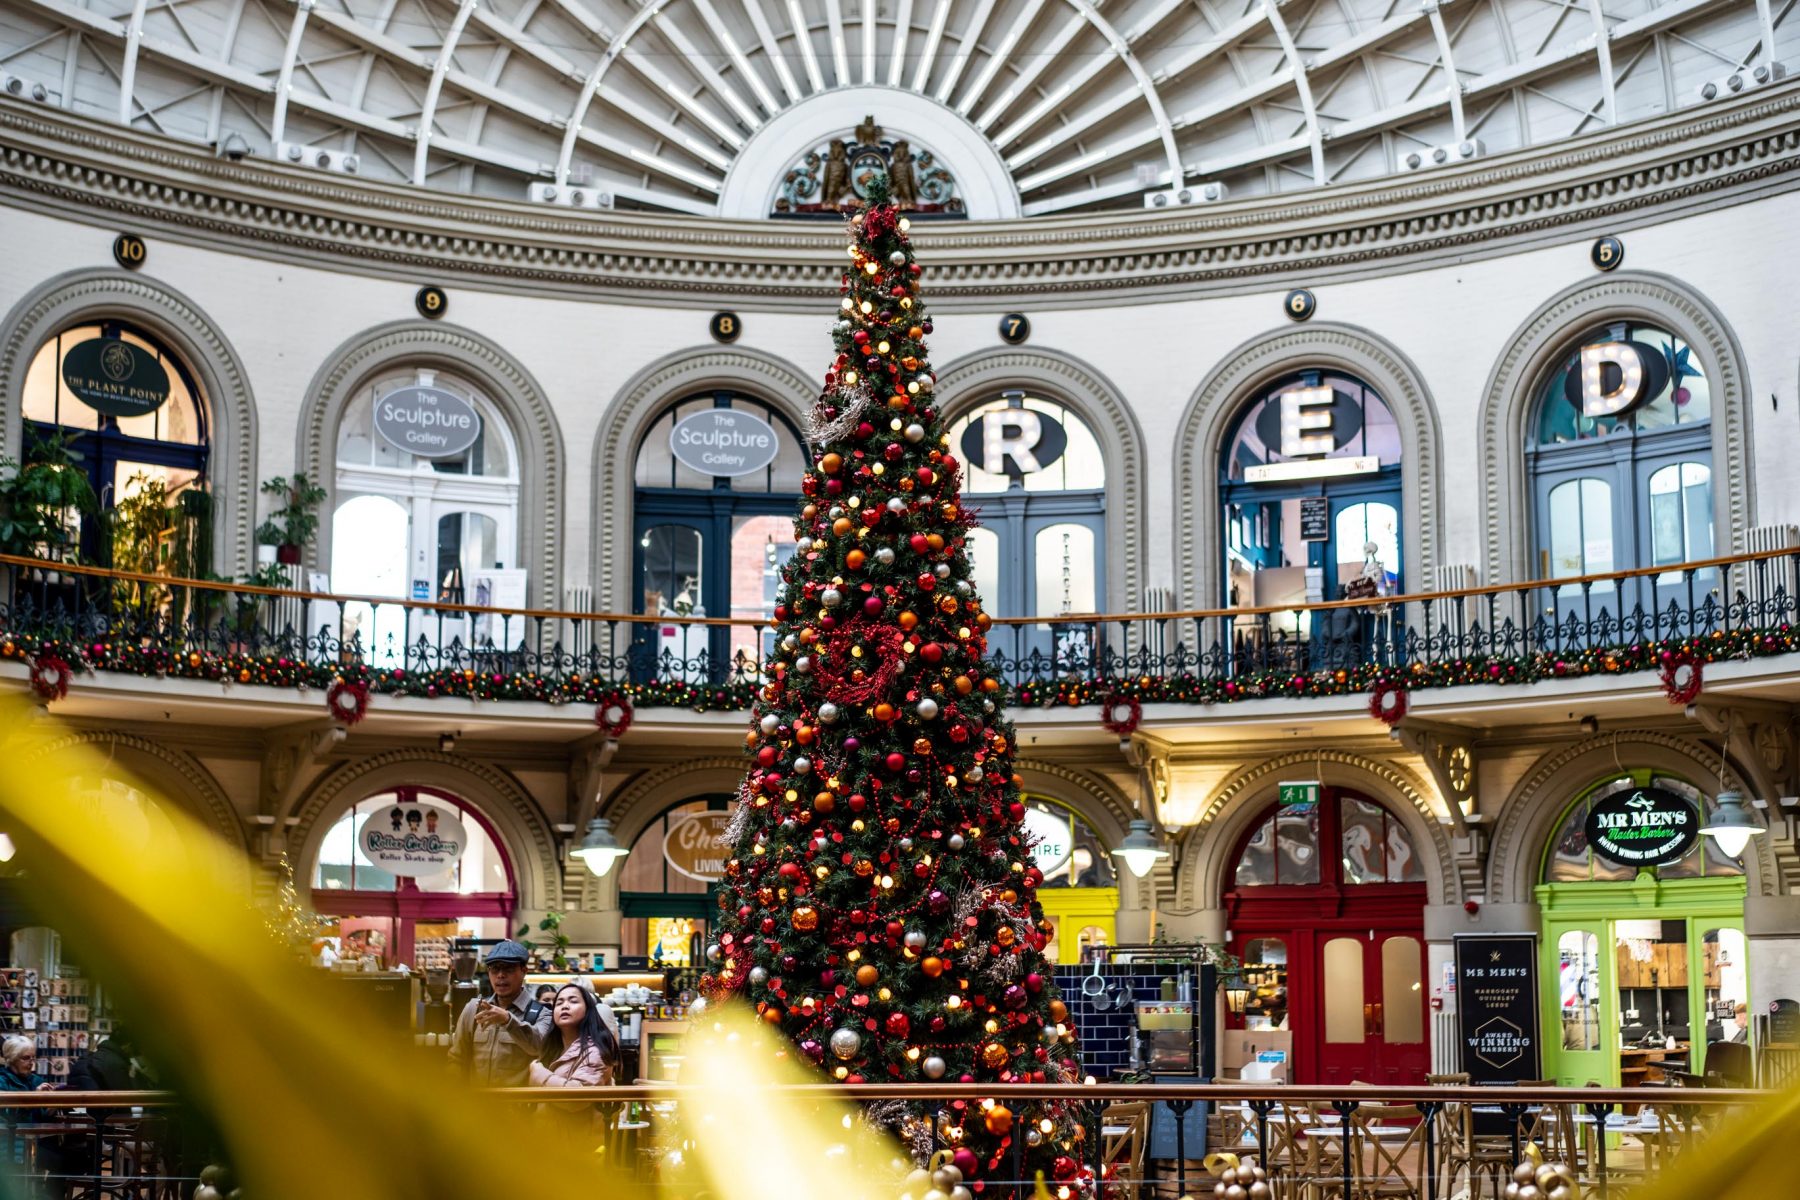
(1080, 892)
(1332, 890)
(667, 882)
(404, 871)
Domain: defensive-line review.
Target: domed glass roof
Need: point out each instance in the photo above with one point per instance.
(1028, 107)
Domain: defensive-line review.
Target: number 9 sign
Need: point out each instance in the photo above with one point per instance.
(1299, 304)
(432, 302)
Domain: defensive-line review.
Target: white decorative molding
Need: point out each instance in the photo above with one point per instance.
(85, 296)
(1248, 369)
(165, 773)
(502, 379)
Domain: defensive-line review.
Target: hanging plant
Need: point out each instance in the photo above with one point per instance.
(51, 676)
(347, 701)
(1387, 703)
(613, 714)
(1120, 713)
(1681, 677)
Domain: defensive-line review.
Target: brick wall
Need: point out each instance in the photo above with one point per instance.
(1106, 1035)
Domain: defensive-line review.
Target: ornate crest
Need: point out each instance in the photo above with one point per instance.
(841, 170)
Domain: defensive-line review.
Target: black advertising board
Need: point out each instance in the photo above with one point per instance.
(1315, 519)
(1497, 1007)
(1643, 827)
(115, 377)
(1784, 1022)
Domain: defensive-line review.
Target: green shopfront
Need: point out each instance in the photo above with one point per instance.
(1643, 967)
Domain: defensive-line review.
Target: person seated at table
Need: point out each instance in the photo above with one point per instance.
(110, 1067)
(18, 1067)
(583, 1048)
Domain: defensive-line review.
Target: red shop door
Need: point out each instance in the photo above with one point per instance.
(1371, 1007)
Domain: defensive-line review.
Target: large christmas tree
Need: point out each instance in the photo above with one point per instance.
(880, 905)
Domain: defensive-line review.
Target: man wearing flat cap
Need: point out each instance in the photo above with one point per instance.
(497, 1039)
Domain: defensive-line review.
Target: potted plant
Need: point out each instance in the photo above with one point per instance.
(42, 501)
(292, 525)
(553, 939)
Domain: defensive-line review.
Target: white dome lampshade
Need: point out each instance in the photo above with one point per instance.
(1140, 850)
(599, 849)
(1731, 824)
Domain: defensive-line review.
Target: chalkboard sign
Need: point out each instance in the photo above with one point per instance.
(1497, 1007)
(1315, 519)
(1784, 1022)
(1192, 1126)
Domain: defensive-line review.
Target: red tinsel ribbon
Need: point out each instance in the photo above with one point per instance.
(1681, 679)
(613, 714)
(880, 662)
(347, 701)
(1388, 703)
(50, 676)
(1123, 724)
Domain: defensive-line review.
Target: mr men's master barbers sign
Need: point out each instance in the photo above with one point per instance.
(1497, 1007)
(724, 441)
(416, 840)
(427, 421)
(1643, 827)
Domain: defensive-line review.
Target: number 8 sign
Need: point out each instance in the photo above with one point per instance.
(726, 326)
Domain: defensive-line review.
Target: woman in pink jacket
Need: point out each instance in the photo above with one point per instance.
(582, 1049)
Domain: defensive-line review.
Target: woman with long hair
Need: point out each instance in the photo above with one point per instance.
(582, 1049)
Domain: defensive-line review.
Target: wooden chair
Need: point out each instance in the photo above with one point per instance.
(1388, 1166)
(1322, 1154)
(1124, 1137)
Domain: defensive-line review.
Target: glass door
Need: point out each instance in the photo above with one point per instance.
(1374, 1009)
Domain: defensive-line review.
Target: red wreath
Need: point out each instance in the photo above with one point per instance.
(1681, 679)
(1388, 702)
(50, 677)
(613, 714)
(1111, 719)
(347, 702)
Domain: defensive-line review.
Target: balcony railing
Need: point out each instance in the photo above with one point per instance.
(1136, 1140)
(1736, 607)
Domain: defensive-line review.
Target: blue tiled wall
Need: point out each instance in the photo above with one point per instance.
(1106, 1035)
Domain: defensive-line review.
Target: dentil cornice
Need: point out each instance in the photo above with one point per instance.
(1644, 172)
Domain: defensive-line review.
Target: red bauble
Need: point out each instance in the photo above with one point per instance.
(927, 583)
(896, 761)
(919, 543)
(898, 1025)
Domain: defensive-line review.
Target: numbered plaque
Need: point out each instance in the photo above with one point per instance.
(1608, 253)
(725, 326)
(1299, 304)
(432, 301)
(1015, 328)
(129, 251)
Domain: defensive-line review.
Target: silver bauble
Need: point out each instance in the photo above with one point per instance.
(926, 383)
(896, 505)
(961, 1193)
(885, 556)
(790, 643)
(770, 723)
(915, 939)
(955, 841)
(975, 775)
(804, 664)
(697, 1007)
(845, 1043)
(1260, 1191)
(897, 258)
(713, 953)
(915, 432)
(1236, 1192)
(927, 709)
(1033, 1138)
(942, 570)
(831, 597)
(933, 1067)
(987, 706)
(803, 765)
(828, 713)
(947, 1176)
(1525, 1173)
(964, 587)
(802, 545)
(759, 976)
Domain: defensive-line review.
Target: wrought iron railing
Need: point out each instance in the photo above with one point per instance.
(1136, 1140)
(1740, 606)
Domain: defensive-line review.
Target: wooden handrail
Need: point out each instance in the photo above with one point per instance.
(1199, 614)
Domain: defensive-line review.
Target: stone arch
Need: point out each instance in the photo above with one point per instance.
(1106, 809)
(529, 840)
(506, 383)
(164, 772)
(1537, 803)
(1206, 847)
(1255, 364)
(639, 402)
(975, 378)
(1544, 337)
(648, 795)
(87, 295)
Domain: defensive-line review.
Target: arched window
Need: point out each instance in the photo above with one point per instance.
(1571, 860)
(717, 484)
(411, 866)
(666, 883)
(1035, 471)
(1310, 483)
(1620, 456)
(427, 475)
(1080, 892)
(1291, 846)
(123, 409)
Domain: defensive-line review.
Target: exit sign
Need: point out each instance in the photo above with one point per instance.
(1304, 791)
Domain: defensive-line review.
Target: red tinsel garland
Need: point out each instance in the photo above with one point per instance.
(1681, 678)
(1387, 703)
(347, 701)
(1111, 719)
(613, 714)
(50, 676)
